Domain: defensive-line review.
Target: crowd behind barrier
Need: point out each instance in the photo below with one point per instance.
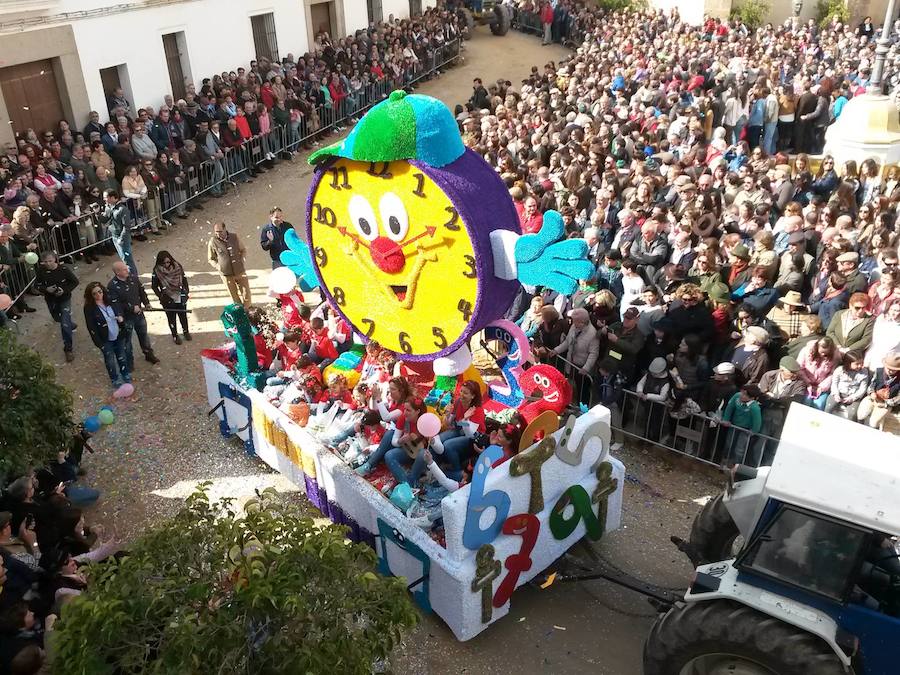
(181, 181)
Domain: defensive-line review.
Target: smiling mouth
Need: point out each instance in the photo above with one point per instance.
(552, 398)
(400, 292)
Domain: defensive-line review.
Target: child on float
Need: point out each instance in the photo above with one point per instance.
(464, 419)
(401, 444)
(369, 433)
(321, 349)
(507, 438)
(289, 350)
(349, 423)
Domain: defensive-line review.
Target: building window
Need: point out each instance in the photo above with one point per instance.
(415, 8)
(264, 39)
(376, 14)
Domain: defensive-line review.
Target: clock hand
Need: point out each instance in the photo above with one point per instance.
(429, 232)
(413, 282)
(354, 237)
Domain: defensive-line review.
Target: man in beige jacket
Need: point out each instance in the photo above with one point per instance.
(226, 253)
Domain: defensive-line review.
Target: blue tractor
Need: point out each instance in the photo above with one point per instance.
(797, 564)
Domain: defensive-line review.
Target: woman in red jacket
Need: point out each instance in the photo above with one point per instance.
(338, 96)
(547, 20)
(464, 419)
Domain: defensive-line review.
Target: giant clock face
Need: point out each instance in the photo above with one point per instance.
(394, 254)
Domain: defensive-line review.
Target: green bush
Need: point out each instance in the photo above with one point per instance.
(212, 592)
(36, 418)
(832, 9)
(752, 12)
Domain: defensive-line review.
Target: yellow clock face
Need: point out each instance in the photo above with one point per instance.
(394, 254)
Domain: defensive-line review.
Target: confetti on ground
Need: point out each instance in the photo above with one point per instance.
(559, 627)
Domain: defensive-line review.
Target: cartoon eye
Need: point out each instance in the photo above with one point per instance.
(363, 217)
(542, 381)
(393, 216)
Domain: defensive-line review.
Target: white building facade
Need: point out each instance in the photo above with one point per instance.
(60, 58)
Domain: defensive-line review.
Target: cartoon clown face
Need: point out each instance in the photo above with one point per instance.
(396, 256)
(414, 239)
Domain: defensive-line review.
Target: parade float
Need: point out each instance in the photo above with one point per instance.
(414, 242)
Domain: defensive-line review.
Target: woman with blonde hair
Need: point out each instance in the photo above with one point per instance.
(764, 254)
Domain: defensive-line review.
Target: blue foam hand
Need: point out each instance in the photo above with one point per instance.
(299, 260)
(543, 260)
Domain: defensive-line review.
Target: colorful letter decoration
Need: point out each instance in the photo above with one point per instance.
(606, 486)
(530, 462)
(561, 527)
(527, 526)
(510, 365)
(573, 457)
(542, 425)
(486, 570)
(579, 498)
(473, 536)
(388, 533)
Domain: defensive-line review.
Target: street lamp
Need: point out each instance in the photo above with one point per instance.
(882, 47)
(798, 7)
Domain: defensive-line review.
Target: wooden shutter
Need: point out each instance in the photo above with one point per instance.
(173, 63)
(31, 96)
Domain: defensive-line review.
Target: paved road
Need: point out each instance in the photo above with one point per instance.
(162, 444)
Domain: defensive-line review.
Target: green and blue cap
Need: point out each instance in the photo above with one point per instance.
(403, 126)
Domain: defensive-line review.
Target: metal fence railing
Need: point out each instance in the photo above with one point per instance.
(565, 33)
(84, 232)
(703, 437)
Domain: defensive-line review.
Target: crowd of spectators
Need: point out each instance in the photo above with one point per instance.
(164, 161)
(734, 274)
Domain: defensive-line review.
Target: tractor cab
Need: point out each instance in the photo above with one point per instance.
(798, 564)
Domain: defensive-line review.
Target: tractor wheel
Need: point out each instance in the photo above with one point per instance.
(713, 533)
(469, 20)
(721, 637)
(501, 20)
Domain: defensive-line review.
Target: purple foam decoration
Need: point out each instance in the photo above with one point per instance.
(482, 200)
(312, 491)
(336, 513)
(323, 500)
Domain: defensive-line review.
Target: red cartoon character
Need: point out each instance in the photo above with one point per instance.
(545, 388)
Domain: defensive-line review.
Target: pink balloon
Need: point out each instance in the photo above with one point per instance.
(5, 302)
(124, 391)
(429, 425)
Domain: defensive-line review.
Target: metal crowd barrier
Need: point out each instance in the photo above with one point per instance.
(702, 437)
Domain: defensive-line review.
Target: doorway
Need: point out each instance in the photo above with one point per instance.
(415, 8)
(322, 14)
(32, 96)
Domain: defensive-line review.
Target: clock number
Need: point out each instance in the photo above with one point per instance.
(381, 172)
(471, 273)
(441, 341)
(324, 215)
(420, 183)
(465, 307)
(336, 173)
(404, 343)
(370, 326)
(452, 224)
(338, 294)
(321, 256)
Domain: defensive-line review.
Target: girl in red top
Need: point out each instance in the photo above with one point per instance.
(403, 433)
(464, 419)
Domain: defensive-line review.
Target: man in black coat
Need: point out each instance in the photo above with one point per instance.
(271, 237)
(125, 289)
(56, 283)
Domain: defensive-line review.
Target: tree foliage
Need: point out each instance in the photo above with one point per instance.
(752, 12)
(36, 420)
(212, 592)
(829, 10)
